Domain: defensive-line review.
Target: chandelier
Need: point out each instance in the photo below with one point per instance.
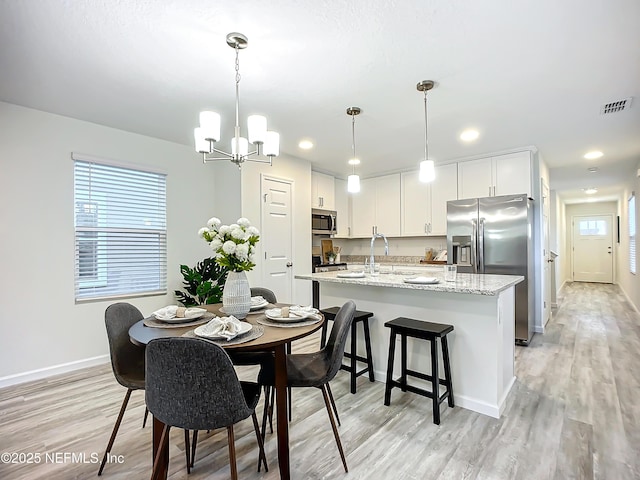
(427, 167)
(266, 143)
(353, 180)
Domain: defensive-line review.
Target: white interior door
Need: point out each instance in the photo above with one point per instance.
(276, 237)
(546, 277)
(592, 250)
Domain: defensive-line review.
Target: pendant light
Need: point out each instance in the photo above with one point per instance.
(427, 167)
(353, 180)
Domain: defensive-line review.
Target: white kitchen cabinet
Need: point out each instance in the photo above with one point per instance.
(376, 208)
(424, 205)
(342, 209)
(322, 191)
(508, 174)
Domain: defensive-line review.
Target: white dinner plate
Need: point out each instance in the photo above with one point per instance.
(194, 316)
(203, 331)
(350, 275)
(422, 280)
(258, 306)
(275, 314)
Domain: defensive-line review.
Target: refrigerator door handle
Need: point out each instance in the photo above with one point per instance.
(474, 245)
(481, 245)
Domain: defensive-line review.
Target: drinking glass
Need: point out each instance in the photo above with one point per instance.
(450, 272)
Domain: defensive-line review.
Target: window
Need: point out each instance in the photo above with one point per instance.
(632, 233)
(120, 231)
(592, 227)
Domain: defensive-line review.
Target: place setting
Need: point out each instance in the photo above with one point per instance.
(289, 317)
(258, 304)
(173, 316)
(226, 331)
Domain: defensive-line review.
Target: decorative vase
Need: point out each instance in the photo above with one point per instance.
(236, 295)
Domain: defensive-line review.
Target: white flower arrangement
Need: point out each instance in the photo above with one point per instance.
(233, 245)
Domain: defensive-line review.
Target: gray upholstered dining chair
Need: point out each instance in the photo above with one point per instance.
(191, 384)
(127, 359)
(127, 362)
(317, 369)
(265, 293)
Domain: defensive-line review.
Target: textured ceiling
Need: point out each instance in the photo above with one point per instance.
(522, 73)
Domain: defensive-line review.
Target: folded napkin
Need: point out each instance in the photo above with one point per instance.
(301, 311)
(257, 300)
(225, 327)
(173, 311)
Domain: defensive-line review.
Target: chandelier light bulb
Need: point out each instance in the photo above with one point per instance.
(427, 171)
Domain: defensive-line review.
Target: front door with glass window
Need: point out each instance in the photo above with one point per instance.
(593, 249)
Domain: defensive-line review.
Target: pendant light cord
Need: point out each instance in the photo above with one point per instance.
(426, 128)
(237, 127)
(353, 141)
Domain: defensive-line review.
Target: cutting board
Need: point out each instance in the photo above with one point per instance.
(327, 246)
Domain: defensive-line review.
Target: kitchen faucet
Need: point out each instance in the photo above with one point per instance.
(386, 249)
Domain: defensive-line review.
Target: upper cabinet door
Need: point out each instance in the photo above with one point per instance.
(322, 191)
(363, 209)
(415, 204)
(475, 179)
(512, 174)
(342, 209)
(388, 205)
(443, 189)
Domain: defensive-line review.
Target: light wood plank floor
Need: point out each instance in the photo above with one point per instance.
(573, 413)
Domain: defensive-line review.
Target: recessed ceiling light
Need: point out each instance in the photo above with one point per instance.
(354, 161)
(305, 144)
(469, 135)
(593, 155)
(590, 190)
(592, 169)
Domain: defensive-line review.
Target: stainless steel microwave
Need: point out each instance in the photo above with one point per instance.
(324, 222)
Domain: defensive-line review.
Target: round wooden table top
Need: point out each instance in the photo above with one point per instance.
(140, 334)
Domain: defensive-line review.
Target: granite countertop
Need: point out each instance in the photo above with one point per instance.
(468, 283)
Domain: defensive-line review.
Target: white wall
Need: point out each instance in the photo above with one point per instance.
(299, 171)
(40, 325)
(629, 283)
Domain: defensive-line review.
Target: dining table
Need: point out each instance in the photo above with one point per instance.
(274, 338)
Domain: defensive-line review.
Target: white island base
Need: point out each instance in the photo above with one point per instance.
(481, 346)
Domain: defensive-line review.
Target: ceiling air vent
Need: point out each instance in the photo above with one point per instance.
(615, 107)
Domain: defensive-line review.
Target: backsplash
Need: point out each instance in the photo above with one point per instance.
(394, 259)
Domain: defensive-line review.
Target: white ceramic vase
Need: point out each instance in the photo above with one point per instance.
(236, 295)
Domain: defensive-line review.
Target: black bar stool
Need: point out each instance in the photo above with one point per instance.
(408, 327)
(360, 316)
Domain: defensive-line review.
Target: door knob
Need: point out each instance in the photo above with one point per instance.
(289, 264)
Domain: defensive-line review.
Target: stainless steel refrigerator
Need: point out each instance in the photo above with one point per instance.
(494, 235)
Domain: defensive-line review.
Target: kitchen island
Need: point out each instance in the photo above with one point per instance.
(480, 307)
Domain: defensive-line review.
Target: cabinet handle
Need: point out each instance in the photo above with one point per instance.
(489, 190)
(426, 228)
(321, 201)
(429, 227)
(349, 230)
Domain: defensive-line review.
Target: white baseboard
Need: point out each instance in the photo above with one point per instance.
(51, 371)
(538, 329)
(628, 298)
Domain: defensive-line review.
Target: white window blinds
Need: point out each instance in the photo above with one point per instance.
(120, 231)
(632, 233)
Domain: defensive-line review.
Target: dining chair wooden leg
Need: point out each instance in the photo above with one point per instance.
(115, 429)
(194, 442)
(232, 453)
(144, 420)
(187, 448)
(261, 456)
(333, 426)
(164, 445)
(265, 411)
(289, 405)
(333, 404)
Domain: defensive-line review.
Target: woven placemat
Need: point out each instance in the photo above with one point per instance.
(154, 322)
(304, 323)
(256, 332)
